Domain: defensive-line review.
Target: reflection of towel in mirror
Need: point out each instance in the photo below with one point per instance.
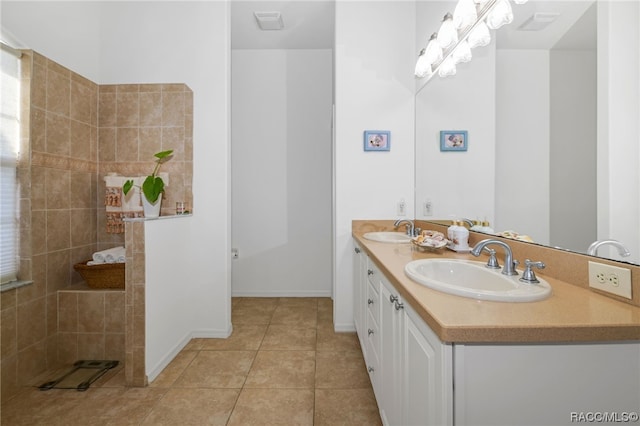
(112, 255)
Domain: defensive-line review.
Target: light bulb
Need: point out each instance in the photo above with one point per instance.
(423, 67)
(462, 53)
(433, 52)
(447, 68)
(480, 36)
(447, 35)
(500, 15)
(520, 1)
(465, 14)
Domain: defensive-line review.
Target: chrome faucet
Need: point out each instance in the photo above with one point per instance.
(509, 263)
(593, 248)
(410, 226)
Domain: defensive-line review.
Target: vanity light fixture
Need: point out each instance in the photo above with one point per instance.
(466, 29)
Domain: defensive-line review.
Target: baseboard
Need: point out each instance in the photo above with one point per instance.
(281, 293)
(344, 328)
(166, 360)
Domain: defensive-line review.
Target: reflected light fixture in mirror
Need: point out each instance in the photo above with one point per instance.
(466, 29)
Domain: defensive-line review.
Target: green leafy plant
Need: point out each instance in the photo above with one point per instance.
(153, 185)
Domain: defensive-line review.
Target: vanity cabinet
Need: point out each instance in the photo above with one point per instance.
(531, 383)
(409, 368)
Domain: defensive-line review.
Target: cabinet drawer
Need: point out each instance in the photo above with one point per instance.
(373, 302)
(372, 342)
(373, 273)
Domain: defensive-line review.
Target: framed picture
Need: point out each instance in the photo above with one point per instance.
(454, 140)
(377, 140)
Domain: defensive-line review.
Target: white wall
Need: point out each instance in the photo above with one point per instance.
(281, 179)
(618, 125)
(522, 156)
(573, 109)
(374, 90)
(161, 42)
(65, 32)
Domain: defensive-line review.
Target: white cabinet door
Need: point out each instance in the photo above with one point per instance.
(359, 290)
(546, 384)
(391, 326)
(427, 394)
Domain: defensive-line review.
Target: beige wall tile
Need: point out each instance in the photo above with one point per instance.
(91, 312)
(58, 270)
(127, 109)
(67, 348)
(80, 104)
(80, 140)
(114, 346)
(52, 314)
(114, 312)
(151, 109)
(39, 86)
(57, 185)
(57, 134)
(58, 230)
(8, 299)
(150, 139)
(106, 108)
(58, 92)
(90, 346)
(81, 195)
(38, 232)
(67, 312)
(30, 330)
(32, 361)
(172, 109)
(38, 129)
(106, 144)
(127, 144)
(9, 330)
(85, 233)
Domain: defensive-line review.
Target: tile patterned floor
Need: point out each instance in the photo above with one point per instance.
(283, 364)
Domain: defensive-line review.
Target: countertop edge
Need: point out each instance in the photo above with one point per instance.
(504, 333)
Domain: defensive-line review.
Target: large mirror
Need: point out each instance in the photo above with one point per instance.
(552, 116)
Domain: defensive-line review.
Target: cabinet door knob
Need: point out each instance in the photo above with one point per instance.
(370, 369)
(393, 298)
(369, 272)
(399, 306)
(357, 250)
(369, 302)
(370, 332)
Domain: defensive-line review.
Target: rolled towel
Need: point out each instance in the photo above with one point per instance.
(112, 255)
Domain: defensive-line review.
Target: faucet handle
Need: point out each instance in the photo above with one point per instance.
(528, 276)
(493, 260)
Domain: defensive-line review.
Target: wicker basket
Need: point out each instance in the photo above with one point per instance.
(105, 275)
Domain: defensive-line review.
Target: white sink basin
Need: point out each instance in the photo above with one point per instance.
(388, 237)
(473, 279)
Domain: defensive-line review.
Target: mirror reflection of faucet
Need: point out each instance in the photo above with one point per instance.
(622, 250)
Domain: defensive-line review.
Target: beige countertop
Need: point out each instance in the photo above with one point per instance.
(570, 314)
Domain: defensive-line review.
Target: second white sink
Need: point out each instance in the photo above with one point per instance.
(474, 280)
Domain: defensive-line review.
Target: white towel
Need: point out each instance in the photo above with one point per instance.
(112, 255)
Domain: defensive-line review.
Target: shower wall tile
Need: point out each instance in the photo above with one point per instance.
(80, 140)
(127, 143)
(91, 314)
(127, 109)
(57, 184)
(9, 336)
(58, 230)
(30, 332)
(57, 134)
(58, 91)
(32, 361)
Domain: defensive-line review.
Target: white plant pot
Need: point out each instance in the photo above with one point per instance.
(151, 211)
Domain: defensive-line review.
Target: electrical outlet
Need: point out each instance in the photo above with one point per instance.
(402, 208)
(428, 208)
(612, 279)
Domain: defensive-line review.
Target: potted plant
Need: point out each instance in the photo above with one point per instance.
(152, 187)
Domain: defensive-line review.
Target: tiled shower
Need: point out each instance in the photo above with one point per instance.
(74, 132)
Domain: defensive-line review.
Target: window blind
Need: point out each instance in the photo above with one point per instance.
(9, 146)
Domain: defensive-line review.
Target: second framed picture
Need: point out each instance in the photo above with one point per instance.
(454, 140)
(377, 140)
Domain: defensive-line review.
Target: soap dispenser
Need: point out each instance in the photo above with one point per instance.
(458, 237)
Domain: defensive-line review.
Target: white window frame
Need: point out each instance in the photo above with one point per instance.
(9, 152)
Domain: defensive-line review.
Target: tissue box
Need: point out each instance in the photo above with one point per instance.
(105, 275)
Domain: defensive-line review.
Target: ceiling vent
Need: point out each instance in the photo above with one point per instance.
(269, 20)
(539, 21)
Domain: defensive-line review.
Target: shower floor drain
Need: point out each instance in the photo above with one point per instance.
(81, 376)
